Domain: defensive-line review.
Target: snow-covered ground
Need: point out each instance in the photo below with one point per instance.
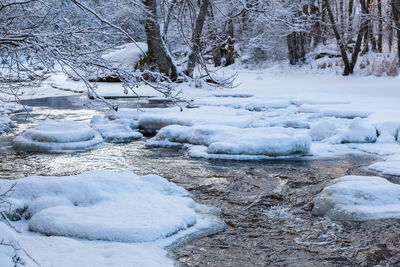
(100, 218)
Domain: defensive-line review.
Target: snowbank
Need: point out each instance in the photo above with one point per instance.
(62, 136)
(9, 256)
(123, 57)
(359, 198)
(219, 139)
(114, 131)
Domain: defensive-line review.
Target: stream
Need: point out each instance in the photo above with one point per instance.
(266, 204)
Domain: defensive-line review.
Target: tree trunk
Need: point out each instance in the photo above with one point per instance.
(380, 27)
(396, 17)
(193, 58)
(342, 47)
(157, 51)
(296, 47)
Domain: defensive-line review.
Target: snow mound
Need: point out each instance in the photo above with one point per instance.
(323, 129)
(359, 198)
(114, 131)
(62, 136)
(220, 139)
(391, 166)
(152, 121)
(103, 205)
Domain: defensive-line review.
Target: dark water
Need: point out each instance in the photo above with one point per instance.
(265, 204)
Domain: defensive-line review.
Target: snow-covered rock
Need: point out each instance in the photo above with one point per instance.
(115, 131)
(358, 198)
(151, 121)
(388, 131)
(103, 205)
(359, 131)
(323, 129)
(249, 103)
(58, 136)
(220, 139)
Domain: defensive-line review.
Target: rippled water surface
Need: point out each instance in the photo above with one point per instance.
(265, 204)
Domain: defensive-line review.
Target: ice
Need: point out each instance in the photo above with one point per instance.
(115, 131)
(58, 136)
(219, 139)
(359, 198)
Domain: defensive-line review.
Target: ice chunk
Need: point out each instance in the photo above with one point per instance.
(116, 131)
(271, 141)
(103, 205)
(53, 136)
(359, 198)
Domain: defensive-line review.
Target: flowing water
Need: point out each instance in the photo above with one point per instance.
(265, 204)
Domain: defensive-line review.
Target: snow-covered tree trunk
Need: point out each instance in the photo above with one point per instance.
(157, 51)
(196, 38)
(396, 17)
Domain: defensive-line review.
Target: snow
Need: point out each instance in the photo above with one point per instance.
(114, 131)
(58, 136)
(153, 120)
(8, 255)
(123, 57)
(269, 141)
(81, 220)
(5, 123)
(359, 198)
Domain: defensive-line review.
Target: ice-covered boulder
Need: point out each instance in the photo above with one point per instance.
(58, 136)
(103, 205)
(358, 198)
(220, 139)
(115, 131)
